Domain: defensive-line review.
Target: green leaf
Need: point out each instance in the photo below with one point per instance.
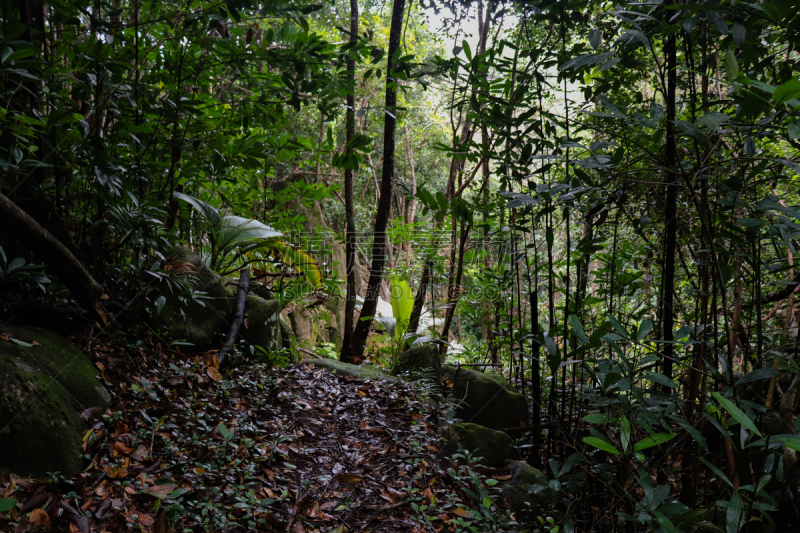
(644, 328)
(594, 38)
(618, 326)
(625, 433)
(595, 418)
(737, 414)
(794, 129)
(209, 212)
(758, 375)
(733, 516)
(731, 65)
(20, 343)
(787, 91)
(577, 328)
(467, 49)
(718, 472)
(661, 379)
(601, 444)
(402, 305)
(653, 440)
(6, 504)
(739, 33)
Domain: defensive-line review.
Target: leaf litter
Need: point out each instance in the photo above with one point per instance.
(187, 447)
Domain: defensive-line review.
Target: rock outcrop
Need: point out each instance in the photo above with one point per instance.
(419, 362)
(346, 369)
(46, 382)
(493, 446)
(201, 322)
(488, 399)
(528, 490)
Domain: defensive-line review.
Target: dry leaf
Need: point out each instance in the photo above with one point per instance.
(4, 336)
(349, 478)
(160, 491)
(503, 478)
(39, 518)
(146, 520)
(121, 448)
(460, 511)
(214, 374)
(314, 512)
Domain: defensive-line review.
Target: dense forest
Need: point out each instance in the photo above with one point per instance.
(458, 266)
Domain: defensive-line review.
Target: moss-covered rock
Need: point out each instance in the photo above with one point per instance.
(493, 446)
(489, 400)
(528, 490)
(55, 356)
(43, 387)
(424, 357)
(263, 323)
(287, 343)
(203, 322)
(346, 369)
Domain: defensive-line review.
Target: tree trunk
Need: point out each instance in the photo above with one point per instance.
(670, 208)
(349, 201)
(57, 257)
(359, 341)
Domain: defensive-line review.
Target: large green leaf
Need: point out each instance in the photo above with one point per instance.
(737, 413)
(603, 445)
(653, 440)
(209, 212)
(402, 305)
(235, 230)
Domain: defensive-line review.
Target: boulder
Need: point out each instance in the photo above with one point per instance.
(419, 362)
(45, 385)
(202, 322)
(528, 490)
(493, 446)
(489, 400)
(347, 369)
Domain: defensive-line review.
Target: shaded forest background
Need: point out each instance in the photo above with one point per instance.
(599, 198)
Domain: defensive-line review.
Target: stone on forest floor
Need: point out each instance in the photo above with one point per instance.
(347, 369)
(528, 490)
(419, 362)
(493, 446)
(202, 322)
(489, 400)
(44, 386)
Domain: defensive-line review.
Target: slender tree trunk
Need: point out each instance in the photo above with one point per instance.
(670, 207)
(349, 201)
(359, 340)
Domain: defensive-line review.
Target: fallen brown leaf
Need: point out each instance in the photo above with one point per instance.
(314, 511)
(349, 478)
(39, 518)
(121, 448)
(460, 511)
(214, 374)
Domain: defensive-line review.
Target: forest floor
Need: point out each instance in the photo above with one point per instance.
(184, 447)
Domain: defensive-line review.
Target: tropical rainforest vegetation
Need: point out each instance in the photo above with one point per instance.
(597, 200)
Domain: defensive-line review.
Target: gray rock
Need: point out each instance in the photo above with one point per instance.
(489, 400)
(203, 322)
(493, 446)
(528, 490)
(44, 387)
(419, 362)
(346, 369)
